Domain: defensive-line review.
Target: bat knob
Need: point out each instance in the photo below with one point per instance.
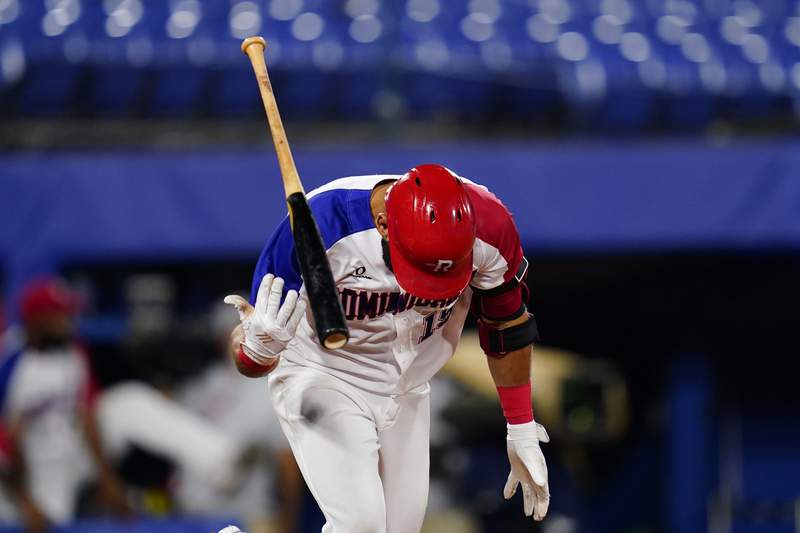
(256, 39)
(335, 340)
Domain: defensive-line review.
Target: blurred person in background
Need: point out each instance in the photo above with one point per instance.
(49, 401)
(270, 494)
(64, 435)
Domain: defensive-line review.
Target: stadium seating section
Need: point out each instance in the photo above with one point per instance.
(626, 64)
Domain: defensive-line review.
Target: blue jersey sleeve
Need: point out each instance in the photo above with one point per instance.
(7, 366)
(278, 257)
(338, 213)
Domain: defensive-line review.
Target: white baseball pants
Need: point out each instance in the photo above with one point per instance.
(364, 457)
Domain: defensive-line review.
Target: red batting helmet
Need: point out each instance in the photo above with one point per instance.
(431, 232)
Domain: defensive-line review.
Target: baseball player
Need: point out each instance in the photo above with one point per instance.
(410, 255)
(63, 431)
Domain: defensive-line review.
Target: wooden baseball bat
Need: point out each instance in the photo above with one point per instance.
(323, 297)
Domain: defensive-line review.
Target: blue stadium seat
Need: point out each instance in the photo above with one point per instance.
(355, 59)
(52, 47)
(610, 61)
(186, 47)
(121, 51)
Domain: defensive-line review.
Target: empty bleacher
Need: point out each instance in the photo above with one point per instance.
(624, 64)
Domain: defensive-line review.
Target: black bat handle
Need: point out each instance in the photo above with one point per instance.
(323, 298)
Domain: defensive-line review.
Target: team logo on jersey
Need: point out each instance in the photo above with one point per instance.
(360, 304)
(360, 272)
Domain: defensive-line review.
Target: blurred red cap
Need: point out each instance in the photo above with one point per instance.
(47, 296)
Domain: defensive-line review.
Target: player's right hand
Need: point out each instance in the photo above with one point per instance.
(269, 326)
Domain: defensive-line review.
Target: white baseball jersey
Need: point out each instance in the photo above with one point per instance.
(397, 341)
(47, 392)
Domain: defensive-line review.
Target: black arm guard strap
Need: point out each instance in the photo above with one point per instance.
(499, 342)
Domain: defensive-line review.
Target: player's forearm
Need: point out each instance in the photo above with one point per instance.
(92, 433)
(32, 517)
(15, 476)
(111, 489)
(512, 377)
(513, 369)
(237, 338)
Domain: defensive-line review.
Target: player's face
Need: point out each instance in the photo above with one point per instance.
(51, 331)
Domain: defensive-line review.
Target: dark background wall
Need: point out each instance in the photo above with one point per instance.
(676, 260)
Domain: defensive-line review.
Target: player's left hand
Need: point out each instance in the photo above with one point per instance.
(528, 467)
(269, 326)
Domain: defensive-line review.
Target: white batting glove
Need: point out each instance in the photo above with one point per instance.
(269, 326)
(528, 467)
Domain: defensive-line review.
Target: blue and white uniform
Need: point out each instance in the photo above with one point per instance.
(47, 393)
(357, 418)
